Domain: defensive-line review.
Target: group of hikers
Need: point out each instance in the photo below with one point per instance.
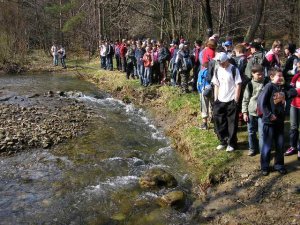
(236, 83)
(242, 82)
(58, 52)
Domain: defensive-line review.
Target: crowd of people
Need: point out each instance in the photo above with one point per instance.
(241, 82)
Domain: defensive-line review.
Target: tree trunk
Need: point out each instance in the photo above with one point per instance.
(172, 18)
(256, 21)
(208, 16)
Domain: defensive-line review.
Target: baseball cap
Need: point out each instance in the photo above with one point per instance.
(254, 45)
(221, 57)
(181, 46)
(228, 43)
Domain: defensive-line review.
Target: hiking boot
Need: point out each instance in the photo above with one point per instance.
(251, 152)
(282, 171)
(290, 151)
(221, 147)
(265, 172)
(229, 148)
(203, 126)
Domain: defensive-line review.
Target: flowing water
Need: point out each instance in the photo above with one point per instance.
(92, 179)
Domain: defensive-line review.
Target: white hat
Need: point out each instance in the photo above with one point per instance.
(181, 46)
(221, 57)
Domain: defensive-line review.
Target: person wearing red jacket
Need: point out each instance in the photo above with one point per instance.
(123, 51)
(295, 118)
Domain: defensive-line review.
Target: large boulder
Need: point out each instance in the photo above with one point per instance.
(174, 199)
(157, 178)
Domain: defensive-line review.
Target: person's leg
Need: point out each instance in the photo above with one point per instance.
(219, 113)
(294, 133)
(195, 76)
(265, 155)
(252, 126)
(260, 133)
(279, 147)
(232, 122)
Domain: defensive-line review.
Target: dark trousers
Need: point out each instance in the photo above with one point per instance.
(103, 62)
(124, 64)
(109, 62)
(196, 70)
(273, 133)
(130, 70)
(225, 117)
(294, 122)
(118, 62)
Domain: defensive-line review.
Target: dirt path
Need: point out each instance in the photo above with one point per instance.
(247, 197)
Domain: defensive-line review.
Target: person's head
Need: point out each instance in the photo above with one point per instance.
(257, 72)
(222, 59)
(276, 46)
(240, 49)
(289, 49)
(198, 43)
(211, 44)
(181, 46)
(228, 46)
(148, 49)
(254, 47)
(298, 66)
(160, 43)
(297, 52)
(276, 76)
(205, 64)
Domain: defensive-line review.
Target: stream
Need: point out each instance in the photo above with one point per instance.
(93, 178)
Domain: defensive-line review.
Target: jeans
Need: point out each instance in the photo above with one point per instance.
(118, 61)
(255, 125)
(63, 63)
(109, 62)
(147, 76)
(55, 60)
(103, 62)
(174, 75)
(273, 133)
(294, 122)
(140, 72)
(226, 123)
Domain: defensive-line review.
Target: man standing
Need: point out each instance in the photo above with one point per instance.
(54, 53)
(227, 88)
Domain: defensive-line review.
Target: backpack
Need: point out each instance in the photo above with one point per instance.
(168, 53)
(233, 71)
(186, 63)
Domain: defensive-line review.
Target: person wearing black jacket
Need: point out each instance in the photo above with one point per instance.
(271, 103)
(289, 51)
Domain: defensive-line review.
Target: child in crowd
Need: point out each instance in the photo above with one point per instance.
(249, 106)
(295, 118)
(271, 103)
(206, 97)
(148, 63)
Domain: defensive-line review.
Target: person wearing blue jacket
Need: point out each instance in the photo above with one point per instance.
(271, 103)
(206, 100)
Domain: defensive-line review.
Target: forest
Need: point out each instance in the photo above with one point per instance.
(80, 24)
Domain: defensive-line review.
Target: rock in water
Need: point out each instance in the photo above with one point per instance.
(157, 178)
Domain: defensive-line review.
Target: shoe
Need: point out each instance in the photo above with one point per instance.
(290, 151)
(203, 126)
(251, 152)
(265, 172)
(299, 155)
(282, 171)
(229, 149)
(220, 147)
